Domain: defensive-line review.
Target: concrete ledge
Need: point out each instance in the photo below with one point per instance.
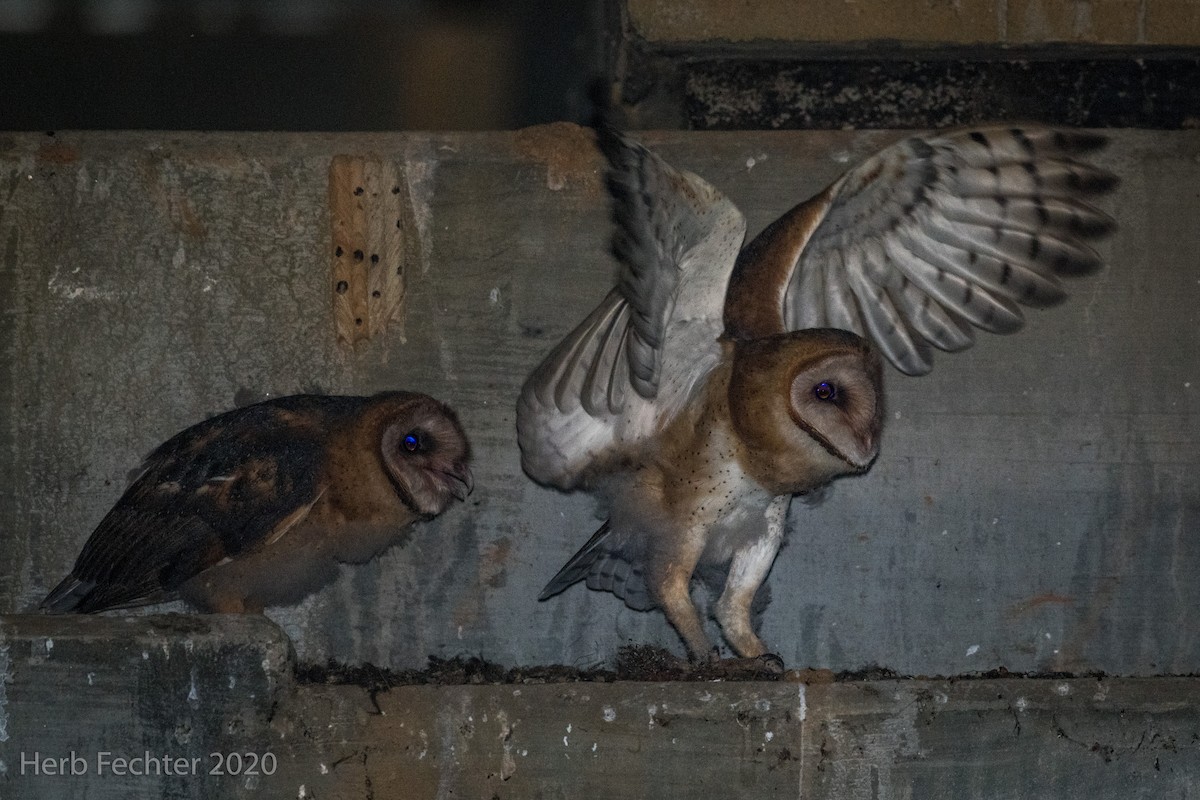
(153, 706)
(79, 694)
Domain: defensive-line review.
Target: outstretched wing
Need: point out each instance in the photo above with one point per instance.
(927, 239)
(635, 361)
(213, 491)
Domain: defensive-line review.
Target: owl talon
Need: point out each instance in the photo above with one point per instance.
(765, 667)
(771, 663)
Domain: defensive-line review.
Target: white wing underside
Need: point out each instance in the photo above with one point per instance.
(629, 368)
(939, 234)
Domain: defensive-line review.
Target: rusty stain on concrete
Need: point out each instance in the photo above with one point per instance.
(56, 152)
(1038, 601)
(568, 152)
(491, 573)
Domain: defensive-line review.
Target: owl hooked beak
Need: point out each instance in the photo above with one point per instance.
(458, 480)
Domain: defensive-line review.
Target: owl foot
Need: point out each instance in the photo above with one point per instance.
(768, 666)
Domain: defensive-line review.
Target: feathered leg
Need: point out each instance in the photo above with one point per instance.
(670, 579)
(747, 571)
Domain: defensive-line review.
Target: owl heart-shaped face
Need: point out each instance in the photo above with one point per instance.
(426, 454)
(808, 405)
(836, 402)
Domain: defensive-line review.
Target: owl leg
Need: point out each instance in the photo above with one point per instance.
(671, 579)
(747, 571)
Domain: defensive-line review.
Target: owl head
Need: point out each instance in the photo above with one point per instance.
(425, 452)
(808, 406)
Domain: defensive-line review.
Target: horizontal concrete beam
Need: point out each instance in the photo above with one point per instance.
(206, 706)
(1153, 22)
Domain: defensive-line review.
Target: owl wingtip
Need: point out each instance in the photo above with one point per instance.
(551, 589)
(1078, 140)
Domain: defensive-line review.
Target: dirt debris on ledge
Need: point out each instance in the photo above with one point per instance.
(633, 663)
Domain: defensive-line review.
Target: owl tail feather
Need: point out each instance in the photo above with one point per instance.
(605, 571)
(68, 595)
(83, 596)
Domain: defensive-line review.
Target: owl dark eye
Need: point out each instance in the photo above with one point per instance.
(825, 391)
(412, 442)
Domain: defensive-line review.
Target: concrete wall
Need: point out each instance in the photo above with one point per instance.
(1035, 506)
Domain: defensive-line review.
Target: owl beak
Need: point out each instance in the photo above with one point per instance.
(862, 463)
(459, 481)
(864, 455)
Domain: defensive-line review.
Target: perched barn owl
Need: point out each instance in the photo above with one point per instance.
(716, 381)
(257, 506)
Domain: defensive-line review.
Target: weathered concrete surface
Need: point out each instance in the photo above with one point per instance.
(189, 688)
(94, 691)
(1035, 506)
(818, 64)
(1133, 22)
(947, 89)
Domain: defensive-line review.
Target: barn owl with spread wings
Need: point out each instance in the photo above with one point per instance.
(715, 381)
(259, 505)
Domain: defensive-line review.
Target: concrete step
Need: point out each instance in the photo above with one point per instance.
(181, 706)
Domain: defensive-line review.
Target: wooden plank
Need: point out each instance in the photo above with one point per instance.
(371, 219)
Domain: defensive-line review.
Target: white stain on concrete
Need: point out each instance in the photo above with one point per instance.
(193, 696)
(651, 711)
(69, 289)
(446, 360)
(893, 742)
(972, 650)
(424, 745)
(609, 714)
(508, 764)
(5, 679)
(420, 167)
